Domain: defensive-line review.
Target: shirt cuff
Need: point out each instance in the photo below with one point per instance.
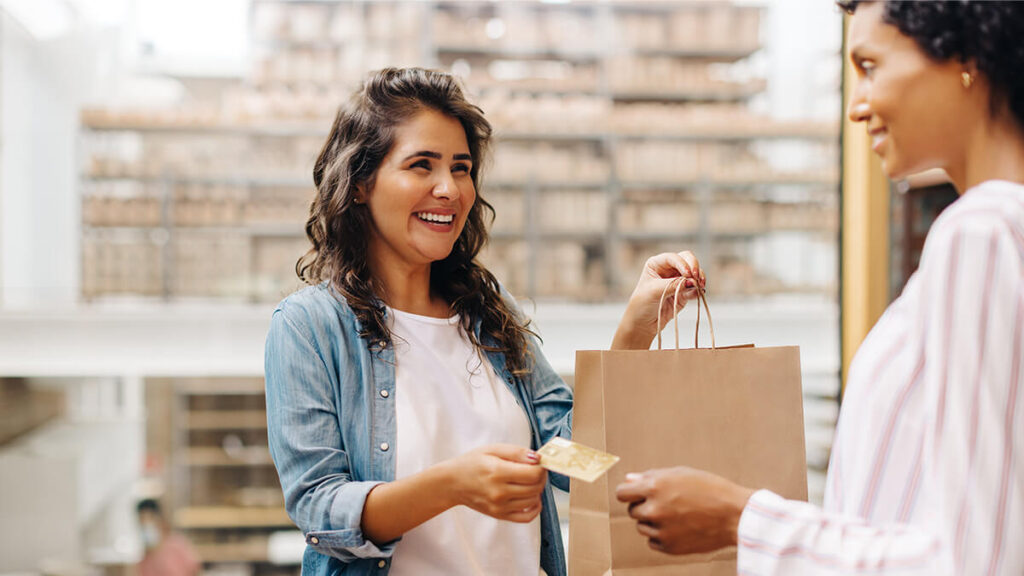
(348, 542)
(759, 519)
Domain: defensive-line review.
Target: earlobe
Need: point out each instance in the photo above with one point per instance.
(968, 75)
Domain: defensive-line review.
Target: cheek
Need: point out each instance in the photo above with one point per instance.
(929, 122)
(467, 197)
(392, 202)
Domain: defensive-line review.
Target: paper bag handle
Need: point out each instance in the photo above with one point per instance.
(701, 299)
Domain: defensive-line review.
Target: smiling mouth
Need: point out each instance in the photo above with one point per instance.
(877, 138)
(435, 218)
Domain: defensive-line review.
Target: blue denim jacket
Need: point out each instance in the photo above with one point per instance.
(331, 423)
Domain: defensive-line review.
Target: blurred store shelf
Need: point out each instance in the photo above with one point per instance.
(207, 517)
(664, 103)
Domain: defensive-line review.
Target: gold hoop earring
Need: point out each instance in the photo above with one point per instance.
(966, 79)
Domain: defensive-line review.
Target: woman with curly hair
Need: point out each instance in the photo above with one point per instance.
(406, 393)
(927, 470)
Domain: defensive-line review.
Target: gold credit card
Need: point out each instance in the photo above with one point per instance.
(575, 460)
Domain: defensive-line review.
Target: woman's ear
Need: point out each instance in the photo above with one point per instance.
(359, 196)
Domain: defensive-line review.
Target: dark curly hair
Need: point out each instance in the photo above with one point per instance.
(339, 229)
(987, 33)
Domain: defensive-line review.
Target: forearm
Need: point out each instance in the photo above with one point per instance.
(626, 340)
(632, 334)
(394, 508)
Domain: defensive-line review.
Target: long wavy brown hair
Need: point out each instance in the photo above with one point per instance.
(340, 229)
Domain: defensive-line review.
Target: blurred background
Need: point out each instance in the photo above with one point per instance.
(156, 171)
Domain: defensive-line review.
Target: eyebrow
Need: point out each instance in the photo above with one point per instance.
(436, 156)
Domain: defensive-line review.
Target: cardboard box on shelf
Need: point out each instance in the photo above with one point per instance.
(112, 264)
(509, 210)
(573, 210)
(673, 217)
(210, 264)
(507, 260)
(273, 266)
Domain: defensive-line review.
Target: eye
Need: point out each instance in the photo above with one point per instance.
(867, 67)
(422, 163)
(462, 168)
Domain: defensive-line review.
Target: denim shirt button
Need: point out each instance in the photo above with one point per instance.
(384, 394)
(381, 564)
(314, 540)
(384, 446)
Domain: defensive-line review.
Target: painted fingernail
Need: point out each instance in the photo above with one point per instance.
(633, 477)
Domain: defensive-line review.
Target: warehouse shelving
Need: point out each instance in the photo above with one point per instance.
(225, 492)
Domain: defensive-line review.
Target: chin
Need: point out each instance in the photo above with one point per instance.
(895, 169)
(894, 173)
(437, 255)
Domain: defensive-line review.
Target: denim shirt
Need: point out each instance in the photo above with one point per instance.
(331, 426)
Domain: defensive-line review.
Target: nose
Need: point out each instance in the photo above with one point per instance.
(858, 108)
(446, 187)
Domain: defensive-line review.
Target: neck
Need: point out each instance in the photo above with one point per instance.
(406, 287)
(994, 151)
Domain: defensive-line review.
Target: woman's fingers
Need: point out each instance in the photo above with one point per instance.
(518, 491)
(675, 264)
(522, 502)
(647, 530)
(512, 453)
(525, 514)
(523, 474)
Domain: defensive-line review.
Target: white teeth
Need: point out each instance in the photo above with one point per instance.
(877, 139)
(439, 218)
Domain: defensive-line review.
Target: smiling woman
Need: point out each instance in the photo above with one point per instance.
(397, 130)
(931, 79)
(926, 475)
(404, 389)
(405, 393)
(419, 203)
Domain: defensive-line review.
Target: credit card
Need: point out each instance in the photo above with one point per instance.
(575, 460)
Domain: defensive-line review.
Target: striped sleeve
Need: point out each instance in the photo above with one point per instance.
(969, 518)
(785, 537)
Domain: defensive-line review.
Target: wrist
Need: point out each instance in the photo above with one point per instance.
(737, 504)
(632, 333)
(445, 482)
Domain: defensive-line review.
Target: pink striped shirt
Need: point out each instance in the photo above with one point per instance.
(927, 470)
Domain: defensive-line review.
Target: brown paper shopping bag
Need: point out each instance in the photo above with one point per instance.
(734, 411)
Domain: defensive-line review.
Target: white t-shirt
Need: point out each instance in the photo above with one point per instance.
(448, 401)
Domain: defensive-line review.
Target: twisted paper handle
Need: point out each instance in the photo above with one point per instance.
(702, 299)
